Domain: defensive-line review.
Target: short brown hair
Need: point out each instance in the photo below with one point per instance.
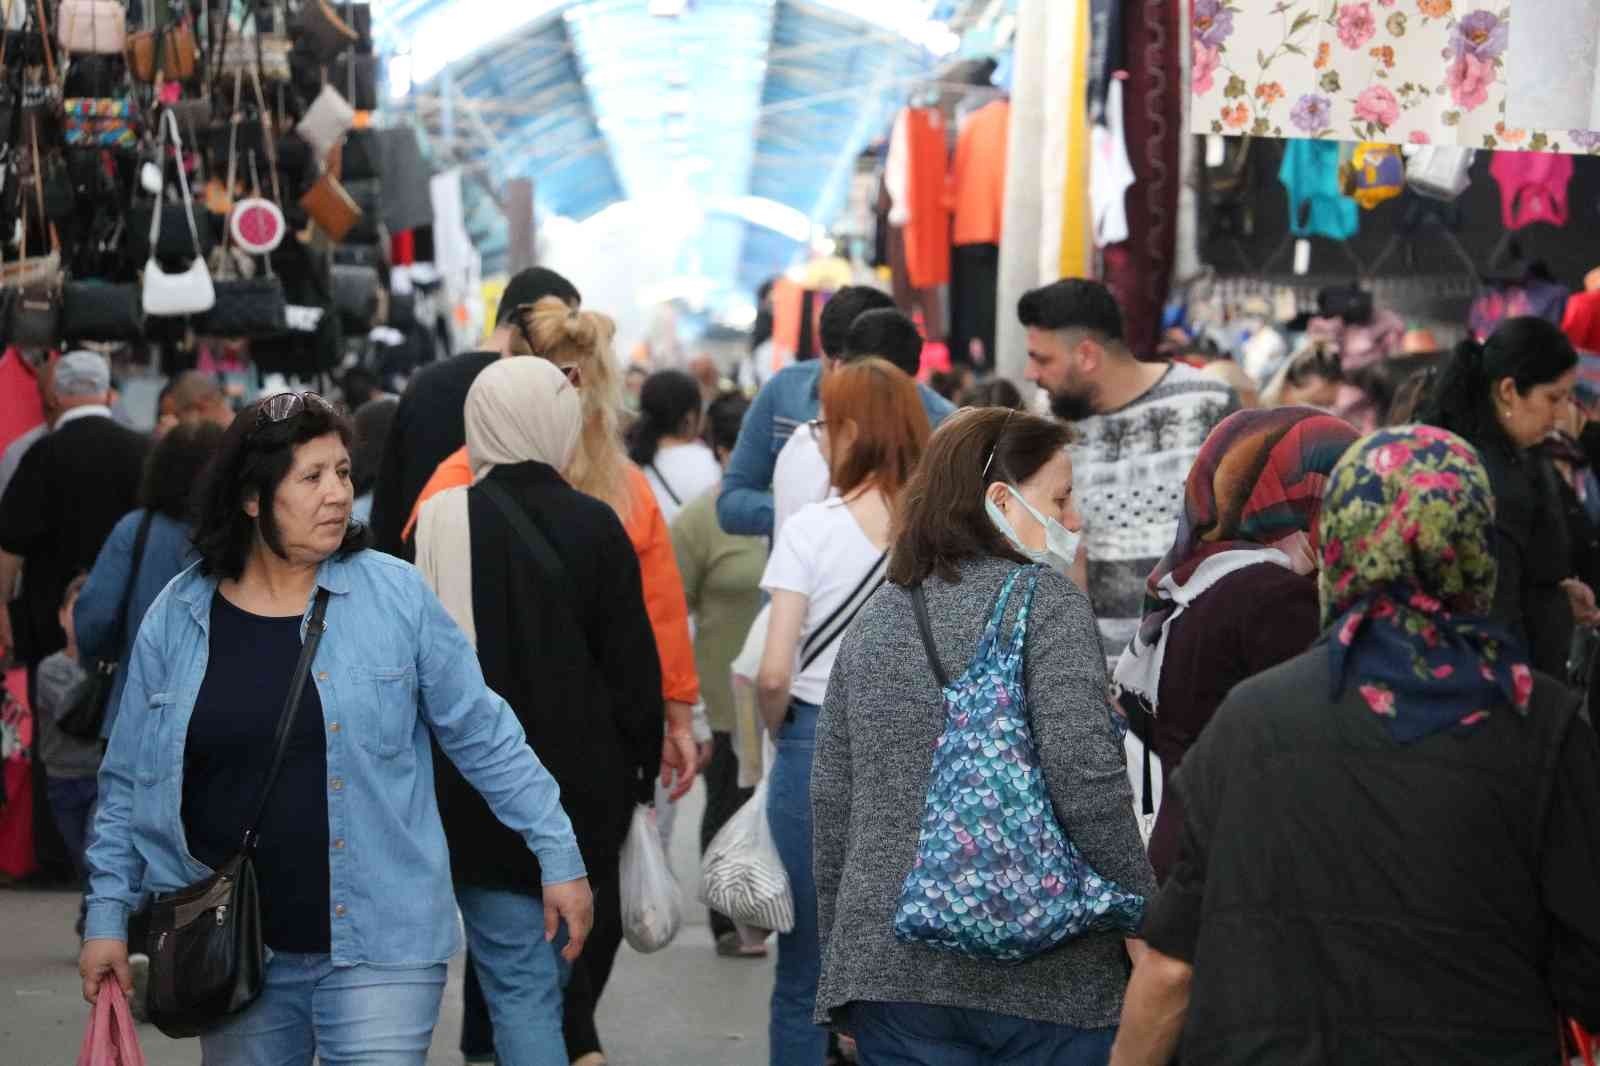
(941, 519)
(881, 401)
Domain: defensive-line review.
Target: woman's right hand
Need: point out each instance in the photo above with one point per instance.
(100, 959)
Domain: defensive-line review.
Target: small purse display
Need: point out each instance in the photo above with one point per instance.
(207, 960)
(326, 121)
(94, 27)
(188, 292)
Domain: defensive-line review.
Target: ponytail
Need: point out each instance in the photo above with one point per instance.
(668, 397)
(1529, 351)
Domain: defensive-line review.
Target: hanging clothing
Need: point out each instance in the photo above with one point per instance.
(1110, 173)
(974, 299)
(1317, 207)
(1533, 187)
(979, 174)
(928, 179)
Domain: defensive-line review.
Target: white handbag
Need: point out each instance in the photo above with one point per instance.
(91, 27)
(188, 292)
(328, 119)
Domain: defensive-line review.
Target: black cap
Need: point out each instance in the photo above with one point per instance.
(532, 285)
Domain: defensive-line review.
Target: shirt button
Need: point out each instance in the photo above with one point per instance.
(333, 728)
(339, 910)
(338, 845)
(323, 676)
(337, 783)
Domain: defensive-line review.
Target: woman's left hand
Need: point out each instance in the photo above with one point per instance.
(1581, 597)
(680, 756)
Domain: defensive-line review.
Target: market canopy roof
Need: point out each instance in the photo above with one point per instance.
(748, 113)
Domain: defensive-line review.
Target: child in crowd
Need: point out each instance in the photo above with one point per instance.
(70, 765)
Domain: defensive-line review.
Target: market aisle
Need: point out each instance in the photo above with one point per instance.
(681, 1005)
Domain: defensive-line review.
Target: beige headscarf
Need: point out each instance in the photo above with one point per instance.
(518, 411)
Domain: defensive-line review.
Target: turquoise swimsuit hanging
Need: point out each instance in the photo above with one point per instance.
(996, 877)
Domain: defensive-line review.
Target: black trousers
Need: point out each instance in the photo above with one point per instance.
(589, 976)
(724, 797)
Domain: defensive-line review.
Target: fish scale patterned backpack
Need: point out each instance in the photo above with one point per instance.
(996, 877)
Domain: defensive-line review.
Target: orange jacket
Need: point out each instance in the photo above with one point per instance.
(658, 568)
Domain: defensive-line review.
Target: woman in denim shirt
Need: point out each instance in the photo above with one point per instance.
(357, 910)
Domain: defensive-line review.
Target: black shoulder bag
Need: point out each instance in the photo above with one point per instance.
(206, 957)
(88, 712)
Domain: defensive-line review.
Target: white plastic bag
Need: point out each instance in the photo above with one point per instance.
(652, 902)
(742, 875)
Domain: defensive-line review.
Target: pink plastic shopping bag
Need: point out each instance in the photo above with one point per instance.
(109, 1039)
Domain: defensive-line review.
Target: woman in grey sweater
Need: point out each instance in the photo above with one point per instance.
(993, 493)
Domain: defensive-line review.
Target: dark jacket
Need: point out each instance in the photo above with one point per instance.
(578, 665)
(1346, 898)
(67, 495)
(428, 426)
(1534, 552)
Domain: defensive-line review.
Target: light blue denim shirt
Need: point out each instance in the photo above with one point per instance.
(792, 398)
(392, 667)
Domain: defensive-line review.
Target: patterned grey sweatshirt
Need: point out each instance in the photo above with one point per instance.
(875, 740)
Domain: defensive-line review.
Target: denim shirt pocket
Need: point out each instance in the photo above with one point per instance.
(155, 740)
(384, 700)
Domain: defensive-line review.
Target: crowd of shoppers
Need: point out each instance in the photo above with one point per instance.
(1356, 820)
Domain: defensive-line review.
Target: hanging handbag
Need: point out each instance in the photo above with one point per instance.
(95, 27)
(187, 292)
(169, 50)
(407, 203)
(359, 75)
(94, 310)
(33, 318)
(94, 75)
(98, 122)
(88, 712)
(207, 960)
(245, 306)
(368, 197)
(324, 31)
(328, 205)
(355, 296)
(326, 121)
(255, 223)
(359, 157)
(41, 96)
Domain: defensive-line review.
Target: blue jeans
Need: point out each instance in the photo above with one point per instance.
(345, 1016)
(793, 1038)
(72, 805)
(914, 1034)
(522, 976)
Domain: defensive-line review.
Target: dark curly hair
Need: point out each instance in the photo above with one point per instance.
(173, 469)
(251, 463)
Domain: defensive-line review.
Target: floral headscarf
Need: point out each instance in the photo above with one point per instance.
(1407, 581)
(1259, 478)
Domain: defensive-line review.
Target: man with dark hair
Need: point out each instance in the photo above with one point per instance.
(430, 422)
(887, 334)
(1140, 426)
(790, 400)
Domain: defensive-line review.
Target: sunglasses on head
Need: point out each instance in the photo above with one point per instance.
(286, 405)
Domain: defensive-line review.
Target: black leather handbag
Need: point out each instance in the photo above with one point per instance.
(245, 307)
(207, 960)
(355, 296)
(88, 712)
(101, 311)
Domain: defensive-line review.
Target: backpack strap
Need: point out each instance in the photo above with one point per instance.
(919, 604)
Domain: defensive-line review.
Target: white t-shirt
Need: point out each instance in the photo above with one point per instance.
(684, 471)
(799, 477)
(825, 556)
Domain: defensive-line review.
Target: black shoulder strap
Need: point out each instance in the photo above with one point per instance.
(833, 627)
(919, 604)
(139, 541)
(544, 554)
(664, 484)
(291, 705)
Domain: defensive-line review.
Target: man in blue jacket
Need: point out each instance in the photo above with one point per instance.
(791, 399)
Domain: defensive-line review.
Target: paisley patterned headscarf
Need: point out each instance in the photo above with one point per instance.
(1259, 478)
(1407, 582)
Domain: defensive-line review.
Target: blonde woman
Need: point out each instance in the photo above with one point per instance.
(579, 344)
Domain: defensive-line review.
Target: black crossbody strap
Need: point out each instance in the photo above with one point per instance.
(139, 541)
(665, 485)
(291, 705)
(833, 627)
(543, 552)
(919, 604)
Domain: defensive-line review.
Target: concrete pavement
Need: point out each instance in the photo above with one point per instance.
(682, 1005)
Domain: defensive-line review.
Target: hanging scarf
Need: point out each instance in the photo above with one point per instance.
(1408, 576)
(1258, 479)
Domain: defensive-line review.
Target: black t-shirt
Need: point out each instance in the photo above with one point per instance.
(429, 425)
(228, 753)
(69, 491)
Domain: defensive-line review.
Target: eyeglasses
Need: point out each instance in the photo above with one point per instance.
(998, 437)
(286, 405)
(817, 425)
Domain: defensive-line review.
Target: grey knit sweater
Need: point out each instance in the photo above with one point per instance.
(875, 740)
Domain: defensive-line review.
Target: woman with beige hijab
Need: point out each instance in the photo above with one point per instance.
(546, 583)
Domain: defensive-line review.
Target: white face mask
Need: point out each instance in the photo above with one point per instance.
(1061, 543)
